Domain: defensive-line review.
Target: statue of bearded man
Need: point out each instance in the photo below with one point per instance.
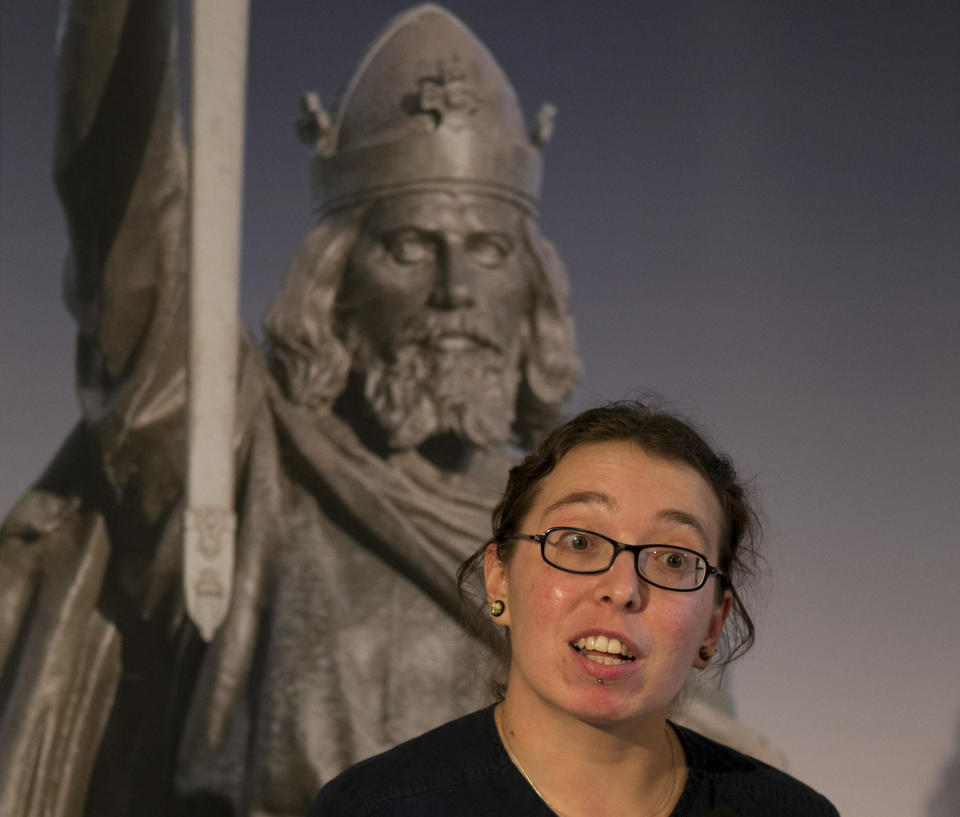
(423, 327)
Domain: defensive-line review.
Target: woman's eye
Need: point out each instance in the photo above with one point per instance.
(576, 541)
(409, 247)
(488, 249)
(673, 560)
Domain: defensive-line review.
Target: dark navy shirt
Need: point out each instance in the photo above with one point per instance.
(461, 769)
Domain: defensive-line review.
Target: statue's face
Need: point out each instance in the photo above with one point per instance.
(436, 253)
(435, 305)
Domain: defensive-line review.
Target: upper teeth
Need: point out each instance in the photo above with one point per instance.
(600, 643)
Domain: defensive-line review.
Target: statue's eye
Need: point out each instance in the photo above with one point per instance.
(409, 247)
(488, 249)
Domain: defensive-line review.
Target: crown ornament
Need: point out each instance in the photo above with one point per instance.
(428, 108)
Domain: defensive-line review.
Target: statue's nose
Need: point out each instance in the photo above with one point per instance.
(456, 279)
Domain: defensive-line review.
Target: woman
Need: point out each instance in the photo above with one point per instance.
(619, 547)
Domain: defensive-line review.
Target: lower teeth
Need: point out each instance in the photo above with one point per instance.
(606, 660)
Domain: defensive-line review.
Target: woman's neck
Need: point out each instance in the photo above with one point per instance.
(580, 768)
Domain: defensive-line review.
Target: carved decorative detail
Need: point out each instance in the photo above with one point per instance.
(209, 585)
(209, 530)
(208, 565)
(448, 95)
(315, 125)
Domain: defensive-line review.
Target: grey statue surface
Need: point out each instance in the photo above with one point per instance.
(423, 327)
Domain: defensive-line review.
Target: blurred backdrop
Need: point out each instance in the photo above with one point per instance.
(759, 205)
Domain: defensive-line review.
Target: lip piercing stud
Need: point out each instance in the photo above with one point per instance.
(599, 681)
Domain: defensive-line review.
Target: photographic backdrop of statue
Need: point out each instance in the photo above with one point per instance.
(422, 330)
(423, 327)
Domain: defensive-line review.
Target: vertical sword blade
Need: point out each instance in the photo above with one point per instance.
(218, 83)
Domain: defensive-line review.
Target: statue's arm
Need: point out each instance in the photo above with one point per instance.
(120, 169)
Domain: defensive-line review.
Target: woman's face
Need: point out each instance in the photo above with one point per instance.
(621, 491)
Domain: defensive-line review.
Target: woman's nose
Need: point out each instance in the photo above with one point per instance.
(456, 279)
(620, 585)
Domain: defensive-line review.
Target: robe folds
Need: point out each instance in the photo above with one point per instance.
(343, 635)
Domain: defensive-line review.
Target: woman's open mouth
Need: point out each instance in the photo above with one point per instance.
(603, 650)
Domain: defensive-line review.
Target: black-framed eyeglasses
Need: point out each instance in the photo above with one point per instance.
(575, 550)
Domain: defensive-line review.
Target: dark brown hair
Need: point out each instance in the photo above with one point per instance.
(661, 434)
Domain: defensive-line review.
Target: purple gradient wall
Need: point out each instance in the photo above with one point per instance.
(758, 204)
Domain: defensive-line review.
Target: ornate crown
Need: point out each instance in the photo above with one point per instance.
(428, 108)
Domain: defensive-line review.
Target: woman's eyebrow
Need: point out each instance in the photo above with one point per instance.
(581, 498)
(684, 518)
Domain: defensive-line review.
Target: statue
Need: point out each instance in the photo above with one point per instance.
(422, 328)
(943, 802)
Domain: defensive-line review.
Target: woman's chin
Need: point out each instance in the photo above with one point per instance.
(609, 708)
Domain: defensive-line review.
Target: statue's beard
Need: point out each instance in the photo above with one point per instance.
(446, 375)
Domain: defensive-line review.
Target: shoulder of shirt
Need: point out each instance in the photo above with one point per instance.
(451, 755)
(748, 780)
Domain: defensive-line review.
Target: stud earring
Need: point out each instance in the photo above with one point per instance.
(707, 652)
(496, 608)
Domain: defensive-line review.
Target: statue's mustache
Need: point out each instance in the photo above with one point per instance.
(439, 329)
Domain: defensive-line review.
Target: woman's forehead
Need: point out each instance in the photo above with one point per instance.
(622, 478)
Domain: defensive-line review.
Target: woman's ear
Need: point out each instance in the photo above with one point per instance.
(717, 618)
(495, 579)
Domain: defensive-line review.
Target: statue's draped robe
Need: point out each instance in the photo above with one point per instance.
(342, 637)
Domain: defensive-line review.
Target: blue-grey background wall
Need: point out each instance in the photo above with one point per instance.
(758, 203)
